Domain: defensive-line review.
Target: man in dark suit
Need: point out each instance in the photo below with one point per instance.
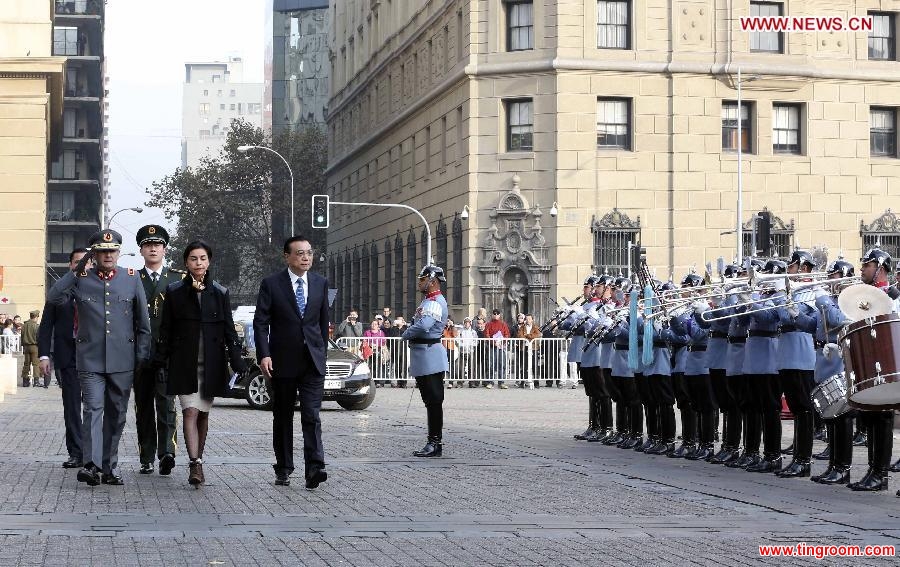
(56, 337)
(154, 411)
(290, 329)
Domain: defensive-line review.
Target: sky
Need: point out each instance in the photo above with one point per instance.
(147, 45)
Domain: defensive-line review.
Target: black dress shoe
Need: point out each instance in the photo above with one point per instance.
(661, 448)
(743, 460)
(686, 448)
(166, 464)
(72, 463)
(768, 464)
(600, 436)
(315, 478)
(583, 436)
(824, 455)
(821, 434)
(614, 439)
(433, 448)
(794, 469)
(282, 479)
(89, 475)
(146, 468)
(703, 453)
(896, 466)
(650, 442)
(631, 442)
(113, 479)
(873, 482)
(833, 475)
(859, 440)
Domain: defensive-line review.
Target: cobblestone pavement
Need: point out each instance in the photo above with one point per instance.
(513, 489)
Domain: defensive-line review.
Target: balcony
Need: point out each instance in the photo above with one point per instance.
(73, 217)
(74, 8)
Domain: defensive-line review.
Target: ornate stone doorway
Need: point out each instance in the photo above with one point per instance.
(514, 268)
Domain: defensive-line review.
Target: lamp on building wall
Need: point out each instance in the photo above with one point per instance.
(554, 210)
(464, 215)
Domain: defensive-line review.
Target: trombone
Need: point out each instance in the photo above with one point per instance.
(789, 291)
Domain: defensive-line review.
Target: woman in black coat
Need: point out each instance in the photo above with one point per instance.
(196, 341)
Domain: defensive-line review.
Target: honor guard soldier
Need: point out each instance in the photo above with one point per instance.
(740, 386)
(113, 338)
(427, 356)
(829, 363)
(876, 267)
(568, 327)
(154, 411)
(676, 335)
(629, 429)
(591, 373)
(796, 365)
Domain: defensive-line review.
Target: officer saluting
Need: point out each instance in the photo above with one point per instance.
(113, 336)
(427, 356)
(154, 411)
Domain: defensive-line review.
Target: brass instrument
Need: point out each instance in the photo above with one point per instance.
(789, 290)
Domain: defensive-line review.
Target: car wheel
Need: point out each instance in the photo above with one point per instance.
(259, 395)
(360, 403)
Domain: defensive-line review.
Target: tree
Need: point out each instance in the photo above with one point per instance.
(240, 203)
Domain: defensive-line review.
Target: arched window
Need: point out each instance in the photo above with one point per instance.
(441, 252)
(456, 282)
(364, 296)
(373, 277)
(883, 232)
(348, 287)
(612, 233)
(388, 272)
(340, 301)
(398, 272)
(411, 272)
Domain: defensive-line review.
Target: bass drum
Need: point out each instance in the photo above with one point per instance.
(871, 351)
(830, 397)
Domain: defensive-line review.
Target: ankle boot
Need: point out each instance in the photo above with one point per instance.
(592, 422)
(742, 459)
(752, 434)
(874, 480)
(635, 440)
(650, 442)
(896, 466)
(433, 448)
(803, 441)
(768, 464)
(615, 438)
(688, 434)
(826, 454)
(195, 474)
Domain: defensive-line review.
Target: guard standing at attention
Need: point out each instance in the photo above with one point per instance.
(154, 411)
(427, 356)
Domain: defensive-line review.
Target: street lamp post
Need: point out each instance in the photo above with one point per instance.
(740, 147)
(245, 149)
(135, 209)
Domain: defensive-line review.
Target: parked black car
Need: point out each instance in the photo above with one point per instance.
(347, 380)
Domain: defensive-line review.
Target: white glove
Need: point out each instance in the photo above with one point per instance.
(700, 306)
(830, 350)
(793, 310)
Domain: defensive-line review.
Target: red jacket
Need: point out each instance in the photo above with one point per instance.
(493, 326)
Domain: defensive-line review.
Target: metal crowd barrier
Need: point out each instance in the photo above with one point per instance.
(9, 344)
(475, 362)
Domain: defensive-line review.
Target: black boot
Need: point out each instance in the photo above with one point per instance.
(875, 480)
(621, 425)
(26, 382)
(592, 423)
(666, 435)
(688, 433)
(706, 450)
(433, 448)
(840, 441)
(896, 466)
(859, 438)
(636, 437)
(829, 435)
(732, 440)
(603, 417)
(752, 434)
(803, 442)
(652, 414)
(880, 435)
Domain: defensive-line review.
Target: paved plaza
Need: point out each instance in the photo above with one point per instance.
(513, 489)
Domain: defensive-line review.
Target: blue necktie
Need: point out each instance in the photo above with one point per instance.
(301, 297)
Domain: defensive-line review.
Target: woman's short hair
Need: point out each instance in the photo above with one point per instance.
(195, 245)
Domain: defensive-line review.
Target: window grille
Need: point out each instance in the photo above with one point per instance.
(612, 233)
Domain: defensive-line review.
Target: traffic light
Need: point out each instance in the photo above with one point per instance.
(764, 233)
(320, 211)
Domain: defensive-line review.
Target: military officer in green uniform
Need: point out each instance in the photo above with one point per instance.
(154, 411)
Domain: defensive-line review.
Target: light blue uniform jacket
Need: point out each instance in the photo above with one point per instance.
(760, 354)
(831, 315)
(428, 323)
(619, 358)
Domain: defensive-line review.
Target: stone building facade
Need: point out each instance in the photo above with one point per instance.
(31, 125)
(620, 116)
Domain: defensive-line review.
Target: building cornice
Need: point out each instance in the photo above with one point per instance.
(549, 65)
(53, 70)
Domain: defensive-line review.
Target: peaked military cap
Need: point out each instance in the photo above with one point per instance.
(152, 233)
(106, 239)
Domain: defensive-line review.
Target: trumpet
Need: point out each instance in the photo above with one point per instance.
(604, 330)
(790, 290)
